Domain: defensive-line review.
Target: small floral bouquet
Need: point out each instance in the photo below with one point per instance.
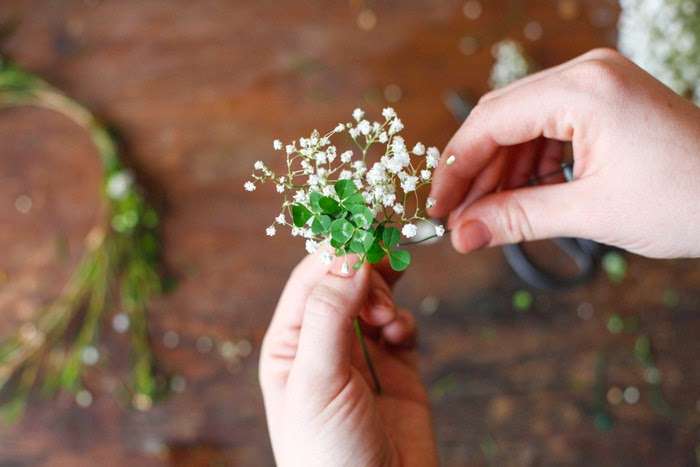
(340, 199)
(663, 37)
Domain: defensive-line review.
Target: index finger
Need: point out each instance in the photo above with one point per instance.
(546, 107)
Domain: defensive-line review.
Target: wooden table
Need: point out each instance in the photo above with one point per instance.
(198, 90)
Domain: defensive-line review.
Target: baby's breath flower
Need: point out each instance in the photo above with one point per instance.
(433, 157)
(430, 202)
(388, 113)
(409, 183)
(439, 230)
(357, 204)
(364, 127)
(511, 63)
(409, 230)
(311, 246)
(663, 37)
(419, 149)
(396, 126)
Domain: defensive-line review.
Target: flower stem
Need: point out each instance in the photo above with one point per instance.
(368, 358)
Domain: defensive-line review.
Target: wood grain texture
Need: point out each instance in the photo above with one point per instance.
(198, 90)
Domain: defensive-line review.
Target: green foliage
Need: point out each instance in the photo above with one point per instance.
(122, 256)
(399, 259)
(351, 226)
(300, 215)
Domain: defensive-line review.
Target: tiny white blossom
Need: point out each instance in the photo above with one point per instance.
(249, 186)
(388, 113)
(346, 157)
(300, 196)
(425, 174)
(119, 184)
(357, 114)
(430, 202)
(398, 208)
(340, 128)
(354, 132)
(419, 149)
(383, 137)
(259, 165)
(271, 231)
(364, 127)
(277, 145)
(439, 230)
(321, 157)
(290, 149)
(345, 175)
(432, 158)
(450, 160)
(409, 184)
(280, 188)
(395, 126)
(409, 230)
(280, 219)
(311, 246)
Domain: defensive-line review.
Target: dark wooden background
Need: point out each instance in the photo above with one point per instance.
(199, 90)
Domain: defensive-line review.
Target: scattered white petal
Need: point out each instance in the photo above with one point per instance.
(271, 231)
(249, 186)
(409, 230)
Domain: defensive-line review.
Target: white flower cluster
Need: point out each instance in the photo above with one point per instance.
(386, 173)
(663, 37)
(511, 63)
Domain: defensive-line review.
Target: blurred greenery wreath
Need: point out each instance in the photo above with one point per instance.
(118, 270)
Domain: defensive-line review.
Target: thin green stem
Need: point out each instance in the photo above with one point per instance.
(366, 355)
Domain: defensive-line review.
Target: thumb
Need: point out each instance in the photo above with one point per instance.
(325, 340)
(525, 214)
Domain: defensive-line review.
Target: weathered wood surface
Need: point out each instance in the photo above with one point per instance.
(199, 90)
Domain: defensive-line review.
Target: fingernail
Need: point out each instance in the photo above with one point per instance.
(473, 235)
(342, 266)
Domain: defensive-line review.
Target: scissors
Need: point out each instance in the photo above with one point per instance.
(585, 254)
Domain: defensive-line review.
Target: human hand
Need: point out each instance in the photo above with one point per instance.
(636, 151)
(321, 407)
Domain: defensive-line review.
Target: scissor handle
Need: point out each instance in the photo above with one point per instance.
(583, 252)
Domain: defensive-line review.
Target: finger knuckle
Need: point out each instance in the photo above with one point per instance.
(598, 77)
(324, 301)
(515, 221)
(603, 53)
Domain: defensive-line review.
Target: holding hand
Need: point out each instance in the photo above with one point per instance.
(636, 162)
(319, 399)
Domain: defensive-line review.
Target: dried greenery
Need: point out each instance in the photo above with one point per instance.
(52, 352)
